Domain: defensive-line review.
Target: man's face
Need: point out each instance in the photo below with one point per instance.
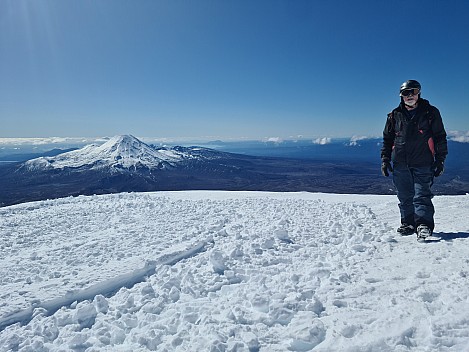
(410, 96)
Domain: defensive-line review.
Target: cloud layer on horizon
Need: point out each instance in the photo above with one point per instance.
(455, 136)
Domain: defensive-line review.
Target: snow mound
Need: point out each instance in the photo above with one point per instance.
(124, 151)
(230, 271)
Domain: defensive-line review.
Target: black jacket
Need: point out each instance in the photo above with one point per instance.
(416, 141)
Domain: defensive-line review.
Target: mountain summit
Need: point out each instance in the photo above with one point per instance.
(120, 152)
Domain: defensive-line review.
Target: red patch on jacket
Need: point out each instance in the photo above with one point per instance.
(431, 145)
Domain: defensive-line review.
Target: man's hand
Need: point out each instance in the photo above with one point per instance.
(385, 168)
(438, 168)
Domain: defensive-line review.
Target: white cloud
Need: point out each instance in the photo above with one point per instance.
(50, 140)
(274, 139)
(459, 136)
(355, 139)
(322, 141)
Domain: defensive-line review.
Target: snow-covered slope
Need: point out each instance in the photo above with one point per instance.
(123, 151)
(231, 271)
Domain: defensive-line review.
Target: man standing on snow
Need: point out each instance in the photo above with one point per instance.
(414, 139)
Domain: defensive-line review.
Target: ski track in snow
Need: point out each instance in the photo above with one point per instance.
(231, 271)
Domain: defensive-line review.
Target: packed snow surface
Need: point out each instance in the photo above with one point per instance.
(231, 271)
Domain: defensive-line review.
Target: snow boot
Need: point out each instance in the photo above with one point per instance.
(423, 231)
(406, 229)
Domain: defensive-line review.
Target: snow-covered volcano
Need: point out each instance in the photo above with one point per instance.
(120, 152)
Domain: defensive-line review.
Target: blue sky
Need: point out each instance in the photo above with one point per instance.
(226, 69)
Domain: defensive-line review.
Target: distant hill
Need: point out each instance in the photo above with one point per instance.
(126, 164)
(18, 157)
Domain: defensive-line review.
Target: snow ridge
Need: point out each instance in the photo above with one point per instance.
(105, 289)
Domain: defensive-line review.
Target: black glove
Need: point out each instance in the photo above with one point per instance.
(385, 167)
(438, 168)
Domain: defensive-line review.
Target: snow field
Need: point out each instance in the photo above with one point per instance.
(267, 272)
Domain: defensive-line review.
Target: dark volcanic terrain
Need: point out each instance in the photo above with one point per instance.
(125, 164)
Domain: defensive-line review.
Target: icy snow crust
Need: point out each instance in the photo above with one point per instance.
(230, 271)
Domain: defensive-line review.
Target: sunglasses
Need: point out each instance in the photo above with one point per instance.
(407, 92)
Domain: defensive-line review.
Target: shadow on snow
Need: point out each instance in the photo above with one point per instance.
(449, 236)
